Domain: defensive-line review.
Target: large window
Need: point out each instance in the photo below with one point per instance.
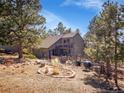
(66, 40)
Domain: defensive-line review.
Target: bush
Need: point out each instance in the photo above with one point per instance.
(2, 50)
(26, 51)
(31, 56)
(28, 54)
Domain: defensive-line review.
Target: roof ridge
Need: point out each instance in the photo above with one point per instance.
(50, 40)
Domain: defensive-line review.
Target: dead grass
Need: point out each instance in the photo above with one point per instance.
(23, 78)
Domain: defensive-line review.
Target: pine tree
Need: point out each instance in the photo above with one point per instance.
(19, 20)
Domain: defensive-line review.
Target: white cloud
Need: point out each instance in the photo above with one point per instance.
(84, 3)
(69, 2)
(92, 4)
(96, 4)
(52, 20)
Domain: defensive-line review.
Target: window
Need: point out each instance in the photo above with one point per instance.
(64, 41)
(66, 46)
(68, 40)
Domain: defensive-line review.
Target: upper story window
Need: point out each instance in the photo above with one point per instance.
(66, 41)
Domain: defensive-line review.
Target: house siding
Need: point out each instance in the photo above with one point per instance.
(78, 45)
(69, 46)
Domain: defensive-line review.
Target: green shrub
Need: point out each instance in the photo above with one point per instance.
(26, 51)
(31, 56)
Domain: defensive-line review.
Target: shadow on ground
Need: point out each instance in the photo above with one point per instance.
(101, 86)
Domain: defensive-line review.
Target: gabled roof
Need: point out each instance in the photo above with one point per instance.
(68, 35)
(50, 40)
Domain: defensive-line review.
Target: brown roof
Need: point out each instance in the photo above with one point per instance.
(49, 41)
(68, 35)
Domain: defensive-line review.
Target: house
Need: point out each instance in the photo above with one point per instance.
(70, 44)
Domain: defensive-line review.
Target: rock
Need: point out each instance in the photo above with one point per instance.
(77, 63)
(38, 61)
(69, 62)
(16, 66)
(4, 68)
(42, 65)
(22, 71)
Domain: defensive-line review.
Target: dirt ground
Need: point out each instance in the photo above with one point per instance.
(23, 78)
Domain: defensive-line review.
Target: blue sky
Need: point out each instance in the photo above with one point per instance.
(72, 13)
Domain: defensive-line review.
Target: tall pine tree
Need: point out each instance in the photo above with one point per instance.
(19, 19)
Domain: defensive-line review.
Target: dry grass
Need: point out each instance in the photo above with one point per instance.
(23, 78)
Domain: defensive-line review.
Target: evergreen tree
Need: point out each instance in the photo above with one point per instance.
(105, 28)
(19, 19)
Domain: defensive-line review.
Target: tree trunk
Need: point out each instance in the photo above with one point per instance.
(116, 76)
(115, 59)
(20, 52)
(108, 70)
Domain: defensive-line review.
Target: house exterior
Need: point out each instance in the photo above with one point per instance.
(70, 44)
